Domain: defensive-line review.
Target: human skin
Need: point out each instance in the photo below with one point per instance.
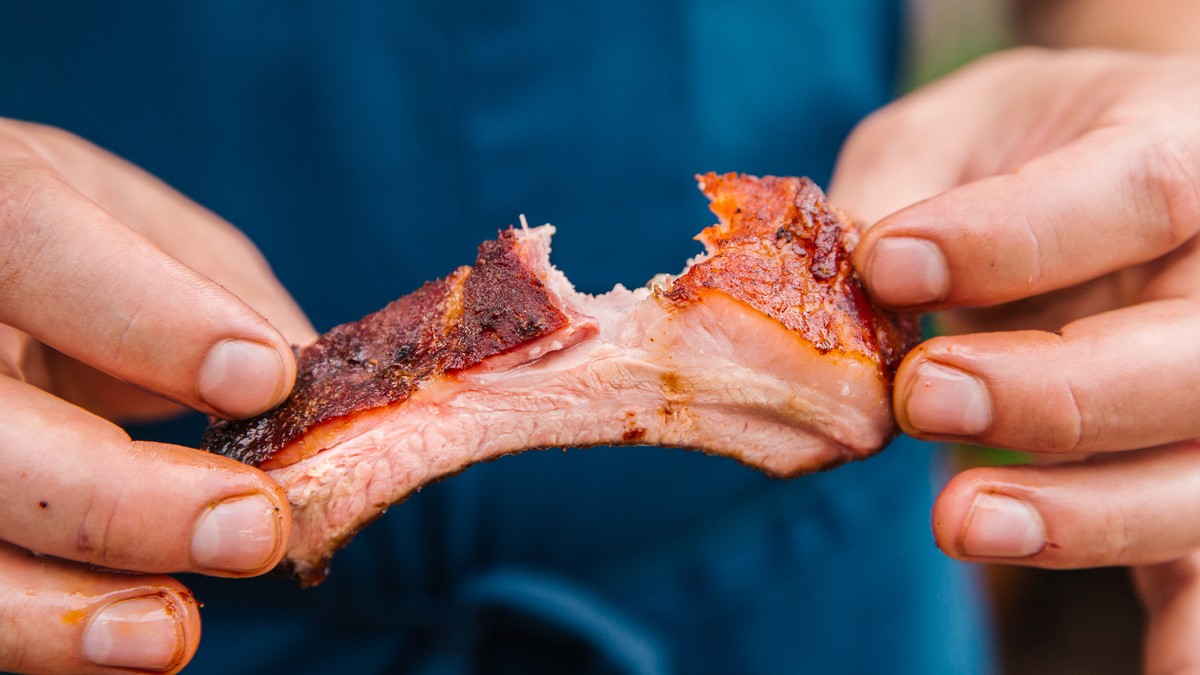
(1052, 219)
(110, 309)
(1008, 150)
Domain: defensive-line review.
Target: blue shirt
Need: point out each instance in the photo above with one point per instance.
(370, 146)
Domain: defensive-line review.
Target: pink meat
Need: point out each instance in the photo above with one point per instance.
(764, 350)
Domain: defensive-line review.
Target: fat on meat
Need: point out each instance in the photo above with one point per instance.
(765, 349)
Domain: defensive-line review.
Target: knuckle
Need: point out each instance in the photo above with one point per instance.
(125, 340)
(1115, 541)
(18, 190)
(93, 535)
(1053, 421)
(22, 229)
(1069, 436)
(1169, 184)
(1027, 268)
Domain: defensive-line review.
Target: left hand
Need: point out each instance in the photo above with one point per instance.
(1052, 213)
(122, 299)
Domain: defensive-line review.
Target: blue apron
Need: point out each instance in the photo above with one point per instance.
(370, 146)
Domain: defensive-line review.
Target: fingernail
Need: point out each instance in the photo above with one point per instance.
(1002, 527)
(141, 633)
(948, 401)
(241, 377)
(237, 535)
(908, 271)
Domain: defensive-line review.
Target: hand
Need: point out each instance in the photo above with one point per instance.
(119, 299)
(1054, 202)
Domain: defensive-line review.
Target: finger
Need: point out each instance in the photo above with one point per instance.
(906, 152)
(93, 390)
(82, 282)
(78, 383)
(184, 230)
(940, 136)
(76, 487)
(1125, 509)
(1115, 381)
(1051, 311)
(1173, 278)
(1107, 201)
(1171, 592)
(12, 352)
(64, 618)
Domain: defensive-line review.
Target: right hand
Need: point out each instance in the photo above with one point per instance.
(122, 300)
(1051, 200)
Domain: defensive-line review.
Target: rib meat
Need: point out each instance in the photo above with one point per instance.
(765, 349)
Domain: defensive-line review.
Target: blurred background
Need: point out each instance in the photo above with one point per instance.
(1050, 621)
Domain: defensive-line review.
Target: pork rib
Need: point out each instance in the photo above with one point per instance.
(765, 349)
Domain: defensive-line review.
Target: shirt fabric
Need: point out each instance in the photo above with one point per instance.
(367, 147)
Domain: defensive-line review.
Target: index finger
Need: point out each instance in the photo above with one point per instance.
(79, 280)
(183, 229)
(1111, 199)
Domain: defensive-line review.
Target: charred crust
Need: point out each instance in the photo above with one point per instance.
(779, 247)
(782, 249)
(633, 435)
(444, 326)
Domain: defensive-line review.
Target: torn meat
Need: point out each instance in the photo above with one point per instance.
(765, 349)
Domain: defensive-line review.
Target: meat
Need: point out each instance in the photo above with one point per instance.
(765, 349)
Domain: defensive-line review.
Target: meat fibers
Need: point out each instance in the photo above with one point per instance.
(765, 349)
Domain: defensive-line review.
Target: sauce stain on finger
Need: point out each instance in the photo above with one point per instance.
(74, 617)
